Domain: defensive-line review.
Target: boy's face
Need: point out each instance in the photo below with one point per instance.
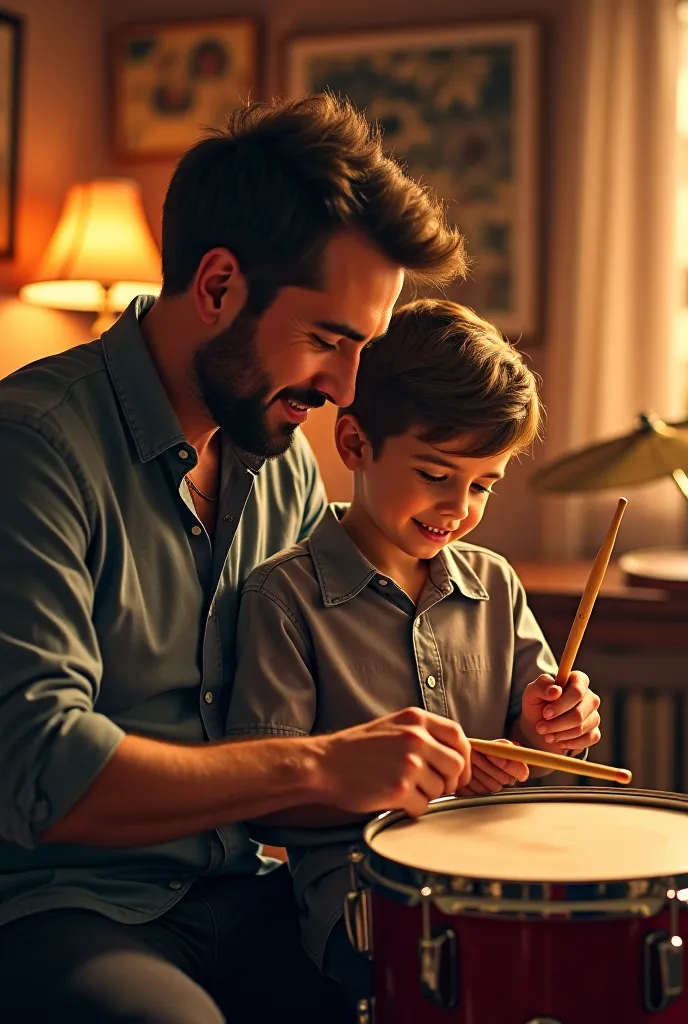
(421, 496)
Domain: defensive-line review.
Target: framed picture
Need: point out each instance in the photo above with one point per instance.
(10, 52)
(459, 105)
(172, 81)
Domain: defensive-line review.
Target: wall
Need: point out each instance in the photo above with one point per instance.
(61, 138)
(513, 522)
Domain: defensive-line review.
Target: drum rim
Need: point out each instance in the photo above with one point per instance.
(456, 893)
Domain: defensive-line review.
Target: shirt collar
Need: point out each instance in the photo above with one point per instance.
(343, 571)
(452, 567)
(148, 411)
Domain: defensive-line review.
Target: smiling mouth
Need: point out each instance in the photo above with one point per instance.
(435, 531)
(296, 407)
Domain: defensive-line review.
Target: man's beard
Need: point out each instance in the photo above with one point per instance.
(230, 382)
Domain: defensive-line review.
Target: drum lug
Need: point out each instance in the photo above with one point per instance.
(357, 914)
(663, 970)
(364, 1012)
(439, 963)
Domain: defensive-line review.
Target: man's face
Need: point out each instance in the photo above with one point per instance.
(259, 377)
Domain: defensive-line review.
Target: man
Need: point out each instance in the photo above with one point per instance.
(145, 475)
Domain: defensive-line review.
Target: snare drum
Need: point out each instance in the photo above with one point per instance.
(550, 906)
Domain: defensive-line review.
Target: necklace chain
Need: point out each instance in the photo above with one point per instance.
(198, 491)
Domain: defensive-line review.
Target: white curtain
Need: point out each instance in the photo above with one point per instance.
(611, 290)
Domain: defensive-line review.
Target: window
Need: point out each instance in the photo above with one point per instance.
(682, 198)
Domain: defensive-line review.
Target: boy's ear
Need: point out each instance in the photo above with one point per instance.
(351, 441)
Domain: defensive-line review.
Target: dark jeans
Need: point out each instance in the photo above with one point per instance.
(229, 951)
(345, 965)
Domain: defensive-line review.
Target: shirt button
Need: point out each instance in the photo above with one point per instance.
(174, 885)
(182, 453)
(431, 681)
(196, 530)
(208, 697)
(383, 583)
(228, 519)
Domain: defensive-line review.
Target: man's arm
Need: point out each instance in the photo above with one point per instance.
(150, 792)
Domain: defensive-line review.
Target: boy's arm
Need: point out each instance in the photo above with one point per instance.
(274, 694)
(533, 688)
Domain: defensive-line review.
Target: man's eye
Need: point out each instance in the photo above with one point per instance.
(321, 343)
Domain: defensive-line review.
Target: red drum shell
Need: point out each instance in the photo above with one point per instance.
(582, 969)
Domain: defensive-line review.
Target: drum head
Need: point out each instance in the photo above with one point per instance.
(523, 837)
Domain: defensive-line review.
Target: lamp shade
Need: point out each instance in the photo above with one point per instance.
(101, 253)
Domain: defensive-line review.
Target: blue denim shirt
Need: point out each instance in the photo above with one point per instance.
(116, 614)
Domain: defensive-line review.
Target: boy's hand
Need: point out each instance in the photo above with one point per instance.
(564, 721)
(491, 774)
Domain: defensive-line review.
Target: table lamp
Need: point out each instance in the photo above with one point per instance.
(101, 253)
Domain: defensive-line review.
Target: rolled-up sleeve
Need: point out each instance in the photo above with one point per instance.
(52, 742)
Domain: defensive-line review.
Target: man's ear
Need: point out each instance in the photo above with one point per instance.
(219, 287)
(351, 441)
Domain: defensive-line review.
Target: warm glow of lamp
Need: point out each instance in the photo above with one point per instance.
(101, 254)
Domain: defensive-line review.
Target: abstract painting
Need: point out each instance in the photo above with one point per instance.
(172, 81)
(459, 106)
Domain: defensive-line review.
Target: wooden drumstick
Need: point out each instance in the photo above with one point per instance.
(555, 762)
(587, 601)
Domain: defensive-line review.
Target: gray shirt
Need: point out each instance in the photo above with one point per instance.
(116, 614)
(326, 642)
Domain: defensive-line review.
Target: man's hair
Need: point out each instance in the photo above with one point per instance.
(444, 371)
(279, 179)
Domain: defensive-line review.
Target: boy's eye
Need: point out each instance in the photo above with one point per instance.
(322, 344)
(480, 489)
(431, 479)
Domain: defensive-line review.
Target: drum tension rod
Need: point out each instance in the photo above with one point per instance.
(664, 961)
(439, 962)
(357, 914)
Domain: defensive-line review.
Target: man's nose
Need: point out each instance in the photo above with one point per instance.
(339, 381)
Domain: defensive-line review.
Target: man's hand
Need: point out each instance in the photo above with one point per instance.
(491, 774)
(564, 721)
(401, 761)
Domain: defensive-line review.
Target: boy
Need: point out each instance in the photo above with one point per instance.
(386, 606)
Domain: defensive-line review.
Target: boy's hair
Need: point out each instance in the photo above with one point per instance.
(279, 179)
(444, 371)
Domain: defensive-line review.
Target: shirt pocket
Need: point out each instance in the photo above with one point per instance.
(476, 694)
(467, 661)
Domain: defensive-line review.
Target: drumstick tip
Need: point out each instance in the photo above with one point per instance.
(623, 776)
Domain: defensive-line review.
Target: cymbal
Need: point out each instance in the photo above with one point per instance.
(653, 450)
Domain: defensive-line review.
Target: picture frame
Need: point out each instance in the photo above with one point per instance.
(170, 81)
(10, 62)
(460, 107)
